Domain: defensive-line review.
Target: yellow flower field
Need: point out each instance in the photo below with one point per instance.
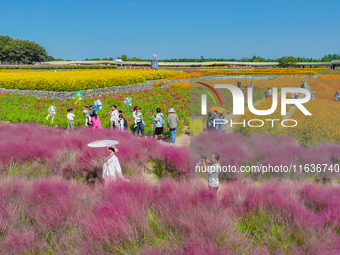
(79, 80)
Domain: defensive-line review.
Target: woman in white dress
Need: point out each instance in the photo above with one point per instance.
(112, 168)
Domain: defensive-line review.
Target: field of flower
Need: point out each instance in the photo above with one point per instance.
(323, 125)
(265, 149)
(20, 108)
(268, 71)
(78, 80)
(48, 207)
(225, 95)
(179, 77)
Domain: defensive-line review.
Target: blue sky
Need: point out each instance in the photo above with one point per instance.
(172, 29)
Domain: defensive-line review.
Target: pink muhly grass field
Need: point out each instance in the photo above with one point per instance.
(68, 154)
(263, 149)
(52, 215)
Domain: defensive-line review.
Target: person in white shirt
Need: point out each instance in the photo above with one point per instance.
(114, 116)
(213, 171)
(139, 123)
(70, 118)
(112, 168)
(122, 123)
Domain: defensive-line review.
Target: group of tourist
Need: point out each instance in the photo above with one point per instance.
(118, 121)
(215, 118)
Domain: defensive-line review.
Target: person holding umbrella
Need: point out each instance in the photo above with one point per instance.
(111, 168)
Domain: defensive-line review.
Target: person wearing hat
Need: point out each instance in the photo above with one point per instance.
(337, 96)
(87, 114)
(172, 124)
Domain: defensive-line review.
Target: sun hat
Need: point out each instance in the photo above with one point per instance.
(172, 110)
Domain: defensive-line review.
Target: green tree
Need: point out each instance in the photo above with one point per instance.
(287, 61)
(21, 51)
(123, 57)
(4, 40)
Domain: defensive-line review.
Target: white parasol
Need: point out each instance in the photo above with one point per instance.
(104, 143)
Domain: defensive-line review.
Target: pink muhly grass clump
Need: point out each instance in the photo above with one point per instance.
(48, 203)
(20, 242)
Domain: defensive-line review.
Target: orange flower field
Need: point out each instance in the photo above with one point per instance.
(322, 125)
(180, 85)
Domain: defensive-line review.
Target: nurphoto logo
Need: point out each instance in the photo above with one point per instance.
(238, 104)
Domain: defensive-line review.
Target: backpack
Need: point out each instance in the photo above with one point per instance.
(162, 121)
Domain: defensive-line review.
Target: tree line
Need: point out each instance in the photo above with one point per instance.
(283, 60)
(16, 51)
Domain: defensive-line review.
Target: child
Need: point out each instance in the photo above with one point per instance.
(96, 122)
(92, 113)
(87, 114)
(70, 118)
(122, 123)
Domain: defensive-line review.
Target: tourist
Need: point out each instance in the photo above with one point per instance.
(210, 121)
(87, 115)
(122, 123)
(216, 120)
(138, 116)
(268, 93)
(114, 117)
(111, 168)
(221, 125)
(96, 122)
(337, 96)
(293, 97)
(213, 169)
(312, 96)
(134, 115)
(296, 94)
(304, 84)
(70, 119)
(92, 111)
(239, 84)
(251, 85)
(172, 124)
(159, 123)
